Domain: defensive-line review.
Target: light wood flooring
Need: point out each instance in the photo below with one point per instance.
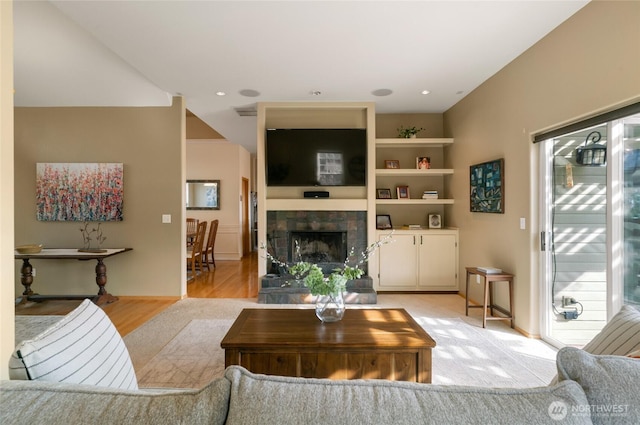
(230, 279)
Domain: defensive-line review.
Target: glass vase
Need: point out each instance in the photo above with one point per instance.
(330, 308)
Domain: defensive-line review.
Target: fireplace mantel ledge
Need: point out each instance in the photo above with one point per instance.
(320, 204)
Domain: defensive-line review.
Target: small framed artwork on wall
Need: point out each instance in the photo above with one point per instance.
(487, 187)
(403, 192)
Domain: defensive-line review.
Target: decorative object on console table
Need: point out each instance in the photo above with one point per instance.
(487, 187)
(423, 162)
(409, 132)
(435, 221)
(383, 193)
(403, 192)
(87, 238)
(29, 249)
(391, 163)
(383, 222)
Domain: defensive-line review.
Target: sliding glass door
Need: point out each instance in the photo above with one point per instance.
(590, 228)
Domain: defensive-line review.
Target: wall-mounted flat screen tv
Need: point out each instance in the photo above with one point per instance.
(316, 157)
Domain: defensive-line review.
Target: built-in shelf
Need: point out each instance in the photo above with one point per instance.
(414, 201)
(404, 143)
(410, 172)
(319, 204)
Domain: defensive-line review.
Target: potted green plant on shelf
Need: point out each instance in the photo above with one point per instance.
(409, 132)
(328, 289)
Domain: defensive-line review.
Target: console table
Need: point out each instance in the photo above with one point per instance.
(26, 277)
(489, 279)
(365, 344)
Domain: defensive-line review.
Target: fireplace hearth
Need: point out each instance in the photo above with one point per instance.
(324, 238)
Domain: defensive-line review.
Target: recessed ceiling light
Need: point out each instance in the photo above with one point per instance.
(382, 92)
(315, 92)
(220, 93)
(425, 92)
(249, 93)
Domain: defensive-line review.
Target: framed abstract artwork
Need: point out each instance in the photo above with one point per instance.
(79, 191)
(487, 187)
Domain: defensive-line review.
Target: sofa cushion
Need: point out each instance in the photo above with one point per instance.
(84, 348)
(263, 399)
(620, 336)
(611, 384)
(54, 403)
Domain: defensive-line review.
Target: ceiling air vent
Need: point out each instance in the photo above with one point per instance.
(247, 111)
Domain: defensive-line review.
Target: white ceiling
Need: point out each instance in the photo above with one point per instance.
(135, 53)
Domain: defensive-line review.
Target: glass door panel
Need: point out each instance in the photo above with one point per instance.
(631, 169)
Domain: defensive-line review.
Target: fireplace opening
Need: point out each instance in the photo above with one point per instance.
(318, 247)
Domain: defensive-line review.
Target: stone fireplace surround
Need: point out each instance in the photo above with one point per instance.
(280, 227)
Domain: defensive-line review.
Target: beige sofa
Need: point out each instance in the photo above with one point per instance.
(590, 388)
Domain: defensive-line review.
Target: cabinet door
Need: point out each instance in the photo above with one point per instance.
(438, 262)
(398, 262)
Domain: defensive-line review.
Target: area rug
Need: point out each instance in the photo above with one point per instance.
(190, 360)
(28, 327)
(180, 348)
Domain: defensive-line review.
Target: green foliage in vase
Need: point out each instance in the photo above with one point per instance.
(319, 284)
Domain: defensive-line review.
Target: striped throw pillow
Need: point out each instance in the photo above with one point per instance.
(83, 348)
(620, 336)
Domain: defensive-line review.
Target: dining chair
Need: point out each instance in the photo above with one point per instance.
(211, 241)
(194, 252)
(192, 228)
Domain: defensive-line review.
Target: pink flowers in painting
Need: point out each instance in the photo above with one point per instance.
(79, 192)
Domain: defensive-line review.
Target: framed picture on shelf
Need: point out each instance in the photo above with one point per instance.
(487, 187)
(383, 193)
(423, 163)
(435, 221)
(391, 163)
(383, 221)
(403, 192)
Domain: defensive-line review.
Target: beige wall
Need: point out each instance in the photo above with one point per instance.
(6, 188)
(198, 129)
(588, 64)
(149, 141)
(229, 163)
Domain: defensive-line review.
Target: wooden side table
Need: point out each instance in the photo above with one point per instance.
(489, 279)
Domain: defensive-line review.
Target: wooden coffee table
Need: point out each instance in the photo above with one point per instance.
(365, 344)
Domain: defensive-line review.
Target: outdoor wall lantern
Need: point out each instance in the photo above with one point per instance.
(594, 154)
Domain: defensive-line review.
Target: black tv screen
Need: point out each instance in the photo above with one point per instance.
(316, 157)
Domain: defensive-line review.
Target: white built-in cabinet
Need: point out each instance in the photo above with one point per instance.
(423, 259)
(419, 260)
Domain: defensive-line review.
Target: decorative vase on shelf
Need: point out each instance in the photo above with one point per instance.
(330, 308)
